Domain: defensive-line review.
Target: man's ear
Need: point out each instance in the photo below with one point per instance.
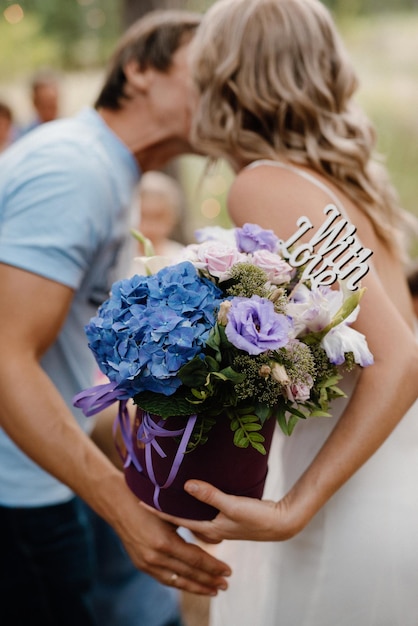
(139, 80)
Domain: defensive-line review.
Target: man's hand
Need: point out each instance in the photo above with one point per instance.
(156, 548)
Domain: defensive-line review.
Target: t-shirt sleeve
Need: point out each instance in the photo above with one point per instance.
(54, 214)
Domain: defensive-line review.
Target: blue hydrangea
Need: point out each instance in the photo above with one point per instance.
(153, 325)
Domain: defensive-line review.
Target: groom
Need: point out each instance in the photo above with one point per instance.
(65, 192)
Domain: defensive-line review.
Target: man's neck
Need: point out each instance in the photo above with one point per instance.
(148, 143)
(157, 155)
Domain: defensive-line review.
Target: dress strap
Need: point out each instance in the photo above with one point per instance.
(306, 176)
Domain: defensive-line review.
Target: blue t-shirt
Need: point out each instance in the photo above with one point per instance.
(65, 198)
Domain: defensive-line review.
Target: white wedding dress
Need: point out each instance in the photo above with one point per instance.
(356, 563)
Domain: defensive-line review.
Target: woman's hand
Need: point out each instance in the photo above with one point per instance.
(239, 517)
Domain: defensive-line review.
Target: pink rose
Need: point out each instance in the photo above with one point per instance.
(277, 270)
(217, 259)
(299, 392)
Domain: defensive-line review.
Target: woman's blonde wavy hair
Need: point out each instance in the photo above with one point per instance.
(275, 82)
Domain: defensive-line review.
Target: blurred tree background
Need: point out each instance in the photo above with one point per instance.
(76, 37)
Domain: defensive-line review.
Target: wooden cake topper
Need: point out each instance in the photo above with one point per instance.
(332, 253)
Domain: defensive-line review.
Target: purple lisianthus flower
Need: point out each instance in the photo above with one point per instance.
(255, 327)
(252, 237)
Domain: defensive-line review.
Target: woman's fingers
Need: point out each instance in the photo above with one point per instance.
(209, 494)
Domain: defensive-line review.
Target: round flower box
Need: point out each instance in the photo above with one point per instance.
(234, 470)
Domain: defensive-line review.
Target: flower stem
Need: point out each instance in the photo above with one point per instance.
(148, 247)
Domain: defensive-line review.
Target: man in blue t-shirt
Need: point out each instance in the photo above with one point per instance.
(65, 193)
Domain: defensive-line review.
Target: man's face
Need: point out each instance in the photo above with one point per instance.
(173, 96)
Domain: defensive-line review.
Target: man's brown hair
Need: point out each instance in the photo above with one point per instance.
(151, 41)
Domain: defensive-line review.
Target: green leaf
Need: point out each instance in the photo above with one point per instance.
(165, 406)
(232, 375)
(214, 342)
(248, 419)
(240, 439)
(194, 373)
(257, 437)
(319, 413)
(213, 365)
(292, 423)
(259, 447)
(338, 393)
(234, 425)
(287, 425)
(263, 412)
(252, 427)
(246, 431)
(281, 420)
(294, 411)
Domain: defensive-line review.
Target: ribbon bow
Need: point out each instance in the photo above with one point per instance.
(98, 398)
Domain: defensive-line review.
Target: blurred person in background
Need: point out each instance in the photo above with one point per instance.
(159, 203)
(7, 129)
(45, 99)
(65, 210)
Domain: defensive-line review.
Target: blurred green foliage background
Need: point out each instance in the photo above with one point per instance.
(77, 36)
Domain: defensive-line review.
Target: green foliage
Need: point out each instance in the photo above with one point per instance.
(65, 35)
(287, 417)
(246, 431)
(201, 431)
(22, 46)
(356, 7)
(157, 404)
(384, 49)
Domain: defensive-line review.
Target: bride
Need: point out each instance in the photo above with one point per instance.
(334, 542)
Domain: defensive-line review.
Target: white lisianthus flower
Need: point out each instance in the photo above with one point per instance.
(326, 308)
(312, 311)
(148, 265)
(342, 339)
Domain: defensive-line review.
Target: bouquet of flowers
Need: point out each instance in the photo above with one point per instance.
(229, 332)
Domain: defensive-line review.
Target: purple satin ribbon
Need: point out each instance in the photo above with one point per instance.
(147, 433)
(98, 398)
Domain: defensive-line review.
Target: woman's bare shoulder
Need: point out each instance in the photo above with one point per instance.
(275, 198)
